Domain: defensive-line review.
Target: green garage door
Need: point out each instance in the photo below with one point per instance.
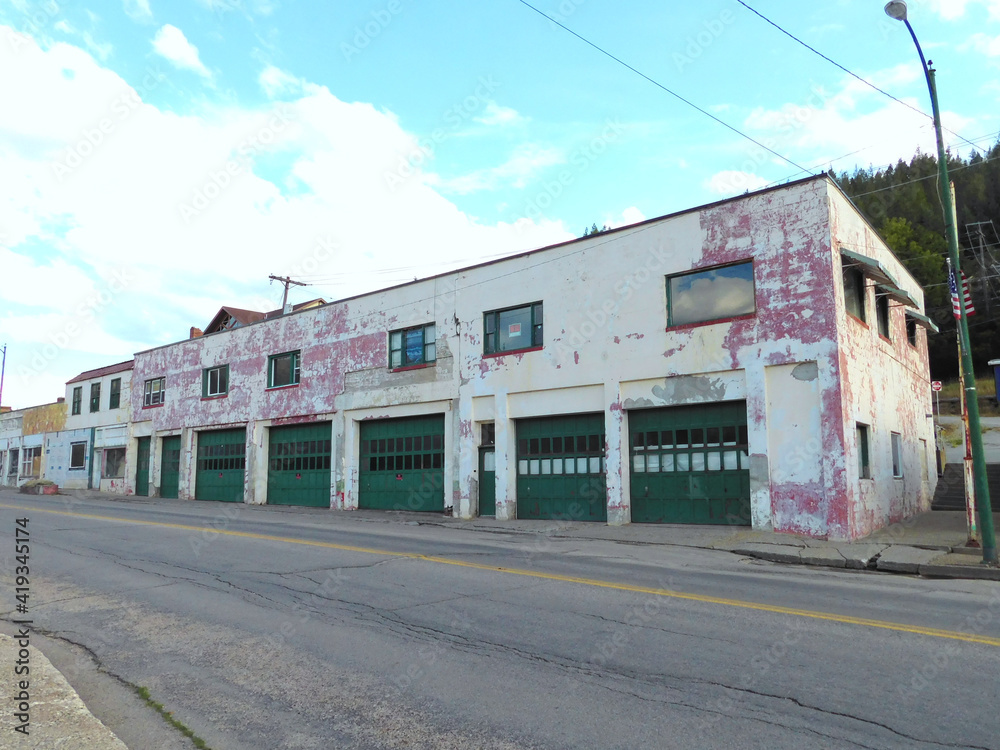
(560, 468)
(402, 464)
(298, 471)
(690, 464)
(221, 465)
(170, 466)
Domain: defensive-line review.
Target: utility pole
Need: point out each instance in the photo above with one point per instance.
(287, 282)
(3, 368)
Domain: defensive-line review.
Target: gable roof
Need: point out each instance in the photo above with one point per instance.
(100, 372)
(234, 317)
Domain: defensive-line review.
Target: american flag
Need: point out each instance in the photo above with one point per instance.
(955, 308)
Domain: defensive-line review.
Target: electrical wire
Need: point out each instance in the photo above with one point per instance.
(846, 70)
(662, 87)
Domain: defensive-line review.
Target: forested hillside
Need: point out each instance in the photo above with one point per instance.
(902, 202)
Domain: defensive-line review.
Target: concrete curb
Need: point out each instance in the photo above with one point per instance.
(58, 718)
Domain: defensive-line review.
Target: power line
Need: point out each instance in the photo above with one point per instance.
(846, 70)
(661, 86)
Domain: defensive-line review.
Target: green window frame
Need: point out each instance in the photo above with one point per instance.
(503, 330)
(283, 369)
(412, 346)
(155, 392)
(691, 297)
(77, 399)
(115, 394)
(854, 290)
(95, 397)
(864, 464)
(215, 381)
(882, 314)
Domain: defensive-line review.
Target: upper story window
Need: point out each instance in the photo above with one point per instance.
(95, 396)
(854, 290)
(215, 381)
(710, 295)
(513, 329)
(155, 393)
(115, 394)
(911, 331)
(412, 346)
(283, 369)
(882, 314)
(77, 399)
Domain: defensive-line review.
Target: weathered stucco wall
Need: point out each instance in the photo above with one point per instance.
(46, 418)
(886, 385)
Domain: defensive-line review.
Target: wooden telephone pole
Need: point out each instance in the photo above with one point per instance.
(287, 282)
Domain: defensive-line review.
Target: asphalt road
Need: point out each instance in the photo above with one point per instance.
(267, 628)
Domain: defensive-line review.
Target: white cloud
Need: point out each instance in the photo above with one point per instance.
(951, 10)
(496, 115)
(192, 211)
(276, 82)
(984, 44)
(523, 165)
(732, 182)
(138, 10)
(831, 125)
(171, 44)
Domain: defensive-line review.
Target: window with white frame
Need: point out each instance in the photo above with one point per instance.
(897, 455)
(77, 455)
(95, 396)
(12, 466)
(155, 393)
(31, 461)
(215, 381)
(283, 369)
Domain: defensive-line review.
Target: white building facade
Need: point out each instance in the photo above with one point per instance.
(94, 449)
(760, 361)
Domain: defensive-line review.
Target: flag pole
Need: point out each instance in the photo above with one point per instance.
(967, 466)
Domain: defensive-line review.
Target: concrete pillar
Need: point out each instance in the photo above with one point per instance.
(255, 477)
(468, 460)
(506, 458)
(189, 462)
(616, 457)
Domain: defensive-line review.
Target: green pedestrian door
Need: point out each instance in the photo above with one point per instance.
(142, 468)
(298, 471)
(221, 465)
(487, 482)
(402, 464)
(170, 466)
(560, 468)
(690, 464)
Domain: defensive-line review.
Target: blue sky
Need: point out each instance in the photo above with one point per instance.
(161, 159)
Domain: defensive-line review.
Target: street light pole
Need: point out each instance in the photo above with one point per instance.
(897, 10)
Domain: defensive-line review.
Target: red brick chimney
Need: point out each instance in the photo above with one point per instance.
(195, 332)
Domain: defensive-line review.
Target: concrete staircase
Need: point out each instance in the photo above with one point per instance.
(950, 492)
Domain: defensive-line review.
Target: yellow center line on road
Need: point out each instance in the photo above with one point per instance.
(668, 593)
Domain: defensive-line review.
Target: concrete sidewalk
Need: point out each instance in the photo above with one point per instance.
(57, 717)
(932, 544)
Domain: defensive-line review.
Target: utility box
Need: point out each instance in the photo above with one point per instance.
(995, 364)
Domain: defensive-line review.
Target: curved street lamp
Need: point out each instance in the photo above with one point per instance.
(897, 10)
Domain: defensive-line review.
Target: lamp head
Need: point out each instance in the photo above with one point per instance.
(896, 9)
